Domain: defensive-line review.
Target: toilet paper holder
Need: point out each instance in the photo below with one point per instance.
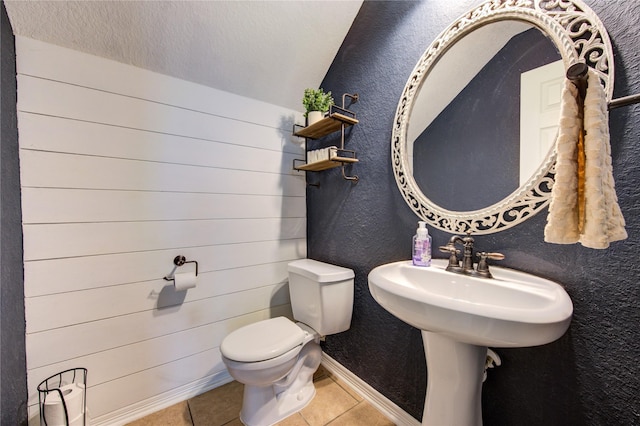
(179, 261)
(56, 405)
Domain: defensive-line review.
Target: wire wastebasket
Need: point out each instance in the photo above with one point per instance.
(63, 398)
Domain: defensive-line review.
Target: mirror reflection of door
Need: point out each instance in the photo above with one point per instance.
(540, 93)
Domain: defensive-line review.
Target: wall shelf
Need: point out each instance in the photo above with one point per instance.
(332, 123)
(338, 119)
(328, 163)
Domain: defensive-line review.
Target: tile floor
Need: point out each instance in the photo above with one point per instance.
(335, 404)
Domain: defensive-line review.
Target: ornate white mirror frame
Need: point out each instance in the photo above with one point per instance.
(579, 36)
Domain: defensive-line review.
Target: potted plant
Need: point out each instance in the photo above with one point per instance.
(316, 103)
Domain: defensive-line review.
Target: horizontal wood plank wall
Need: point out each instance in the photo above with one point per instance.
(123, 169)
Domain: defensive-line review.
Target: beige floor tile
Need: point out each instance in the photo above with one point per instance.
(363, 414)
(348, 389)
(322, 372)
(293, 420)
(330, 401)
(218, 406)
(176, 415)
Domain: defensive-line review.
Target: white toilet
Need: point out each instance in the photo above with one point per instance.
(275, 359)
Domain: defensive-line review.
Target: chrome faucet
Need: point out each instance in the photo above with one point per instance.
(467, 267)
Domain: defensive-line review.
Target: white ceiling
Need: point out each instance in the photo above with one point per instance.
(265, 50)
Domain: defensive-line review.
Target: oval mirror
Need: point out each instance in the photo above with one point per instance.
(484, 81)
(473, 140)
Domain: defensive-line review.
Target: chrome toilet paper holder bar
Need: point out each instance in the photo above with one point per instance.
(179, 261)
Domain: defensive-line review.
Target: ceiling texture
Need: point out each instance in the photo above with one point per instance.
(265, 50)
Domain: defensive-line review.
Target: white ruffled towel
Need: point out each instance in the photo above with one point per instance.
(584, 208)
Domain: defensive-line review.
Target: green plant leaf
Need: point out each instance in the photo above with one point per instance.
(316, 100)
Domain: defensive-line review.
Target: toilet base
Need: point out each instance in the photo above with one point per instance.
(267, 405)
(261, 407)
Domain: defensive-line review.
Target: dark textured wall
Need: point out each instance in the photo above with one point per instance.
(588, 377)
(13, 384)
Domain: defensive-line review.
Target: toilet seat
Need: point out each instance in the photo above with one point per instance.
(263, 340)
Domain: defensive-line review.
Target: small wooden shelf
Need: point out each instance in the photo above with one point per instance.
(326, 164)
(327, 125)
(338, 119)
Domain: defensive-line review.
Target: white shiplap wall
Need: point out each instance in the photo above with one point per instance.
(123, 169)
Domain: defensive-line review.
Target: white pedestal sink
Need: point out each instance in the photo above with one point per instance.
(460, 316)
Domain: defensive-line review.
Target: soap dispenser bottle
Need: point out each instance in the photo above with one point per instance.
(422, 246)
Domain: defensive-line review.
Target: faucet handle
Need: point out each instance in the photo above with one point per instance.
(483, 266)
(454, 263)
(492, 256)
(449, 248)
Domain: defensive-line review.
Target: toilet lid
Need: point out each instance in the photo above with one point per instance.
(262, 340)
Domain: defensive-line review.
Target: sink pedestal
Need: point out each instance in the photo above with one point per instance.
(454, 381)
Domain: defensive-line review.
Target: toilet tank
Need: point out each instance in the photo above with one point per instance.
(321, 295)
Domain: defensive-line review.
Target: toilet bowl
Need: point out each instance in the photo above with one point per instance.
(275, 359)
(281, 385)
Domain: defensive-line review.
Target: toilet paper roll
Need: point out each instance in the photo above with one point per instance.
(333, 152)
(53, 410)
(78, 421)
(185, 280)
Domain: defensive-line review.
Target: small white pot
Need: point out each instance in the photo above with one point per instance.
(314, 117)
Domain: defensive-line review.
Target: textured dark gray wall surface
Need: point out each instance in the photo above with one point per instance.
(587, 377)
(13, 384)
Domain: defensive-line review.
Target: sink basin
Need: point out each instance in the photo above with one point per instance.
(512, 309)
(460, 316)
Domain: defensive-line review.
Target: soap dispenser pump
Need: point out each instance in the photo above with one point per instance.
(422, 246)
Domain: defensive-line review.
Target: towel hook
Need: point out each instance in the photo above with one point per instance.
(578, 73)
(179, 261)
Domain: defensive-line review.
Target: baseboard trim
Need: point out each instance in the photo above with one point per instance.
(151, 405)
(369, 394)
